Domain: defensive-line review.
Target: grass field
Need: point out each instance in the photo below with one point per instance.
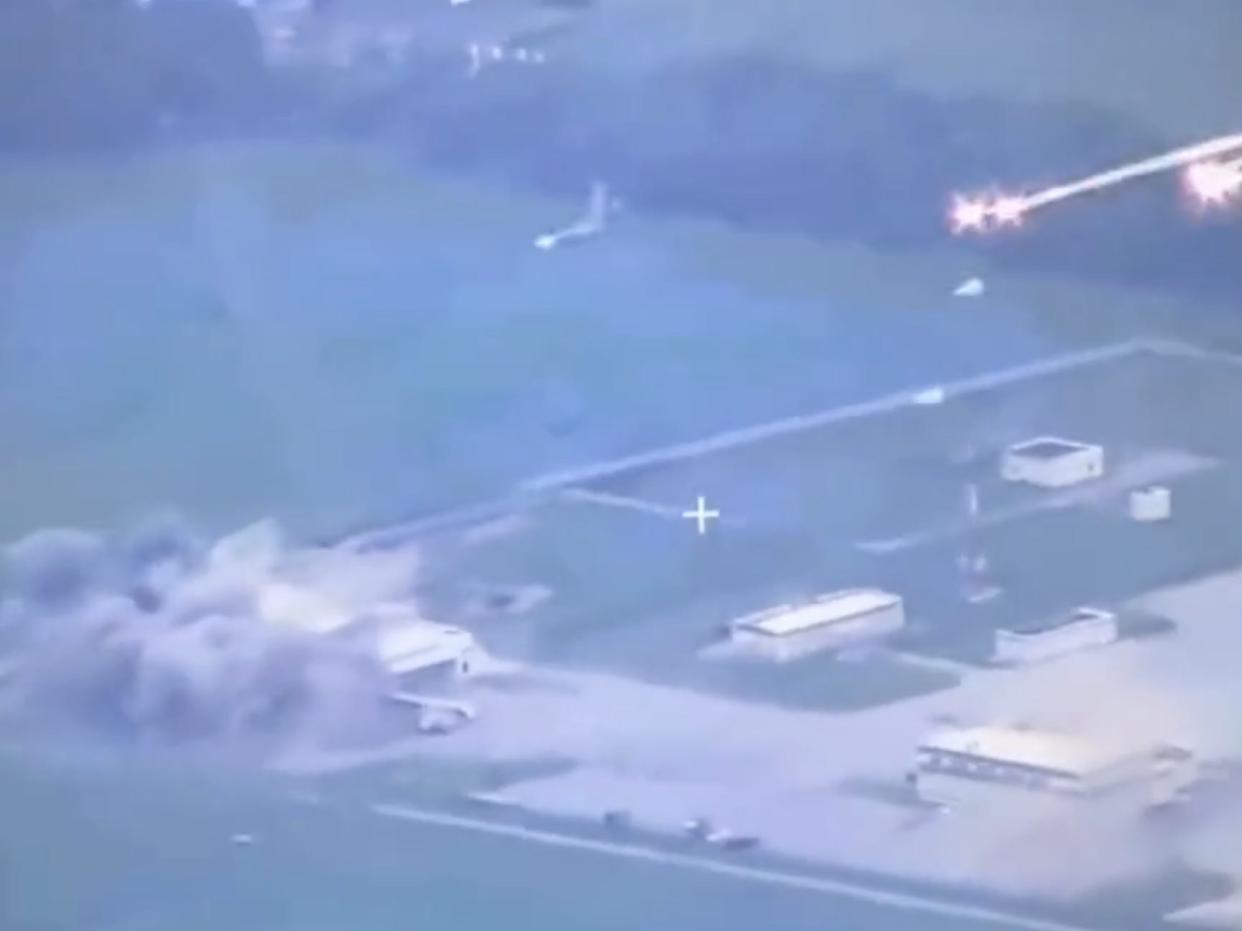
(318, 333)
(876, 501)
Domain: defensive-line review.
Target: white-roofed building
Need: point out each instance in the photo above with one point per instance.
(1153, 503)
(832, 621)
(405, 643)
(364, 598)
(1052, 462)
(965, 765)
(1080, 629)
(409, 646)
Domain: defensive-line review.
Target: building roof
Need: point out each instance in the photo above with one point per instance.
(826, 609)
(1058, 621)
(301, 608)
(1044, 750)
(1047, 447)
(404, 642)
(414, 645)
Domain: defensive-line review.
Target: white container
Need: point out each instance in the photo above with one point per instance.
(1152, 503)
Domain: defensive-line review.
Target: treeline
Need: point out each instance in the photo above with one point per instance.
(752, 140)
(856, 156)
(91, 73)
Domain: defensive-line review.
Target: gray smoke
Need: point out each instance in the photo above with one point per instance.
(53, 568)
(153, 636)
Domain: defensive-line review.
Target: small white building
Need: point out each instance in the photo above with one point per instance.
(413, 647)
(1080, 629)
(964, 766)
(840, 619)
(1153, 503)
(1052, 462)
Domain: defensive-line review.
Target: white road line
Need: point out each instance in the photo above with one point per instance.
(558, 481)
(621, 501)
(1179, 350)
(850, 889)
(798, 423)
(605, 499)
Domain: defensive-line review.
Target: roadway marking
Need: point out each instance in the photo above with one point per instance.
(801, 422)
(621, 501)
(566, 480)
(639, 505)
(838, 887)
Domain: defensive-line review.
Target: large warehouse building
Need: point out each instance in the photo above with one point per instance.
(832, 621)
(972, 765)
(405, 644)
(318, 592)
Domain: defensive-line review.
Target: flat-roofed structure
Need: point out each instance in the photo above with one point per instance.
(1052, 462)
(830, 621)
(958, 766)
(409, 646)
(406, 644)
(1048, 639)
(1153, 503)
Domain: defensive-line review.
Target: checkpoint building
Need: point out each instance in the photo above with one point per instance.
(1151, 504)
(1052, 462)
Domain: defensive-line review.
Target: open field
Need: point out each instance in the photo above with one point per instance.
(877, 499)
(319, 333)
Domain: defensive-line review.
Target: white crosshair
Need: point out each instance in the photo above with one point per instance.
(701, 514)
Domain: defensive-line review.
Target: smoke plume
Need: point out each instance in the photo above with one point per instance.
(155, 636)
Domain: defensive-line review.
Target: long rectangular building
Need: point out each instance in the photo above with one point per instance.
(1048, 639)
(959, 766)
(831, 621)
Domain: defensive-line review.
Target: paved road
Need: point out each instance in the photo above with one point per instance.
(774, 877)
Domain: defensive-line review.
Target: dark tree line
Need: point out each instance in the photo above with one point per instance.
(89, 73)
(750, 139)
(768, 144)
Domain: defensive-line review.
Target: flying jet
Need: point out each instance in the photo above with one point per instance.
(599, 206)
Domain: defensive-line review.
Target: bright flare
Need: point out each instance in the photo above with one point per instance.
(1008, 211)
(1213, 174)
(1214, 183)
(983, 215)
(968, 214)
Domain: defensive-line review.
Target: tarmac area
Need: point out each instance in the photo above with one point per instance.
(610, 671)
